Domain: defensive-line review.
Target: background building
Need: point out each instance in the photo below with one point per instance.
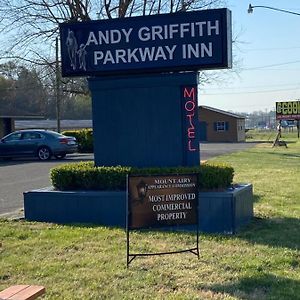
(220, 126)
(7, 125)
(7, 122)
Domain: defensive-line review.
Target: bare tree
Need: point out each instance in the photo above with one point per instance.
(128, 8)
(29, 27)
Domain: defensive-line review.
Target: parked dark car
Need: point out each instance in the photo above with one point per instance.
(37, 143)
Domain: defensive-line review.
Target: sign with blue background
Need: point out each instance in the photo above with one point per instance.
(160, 43)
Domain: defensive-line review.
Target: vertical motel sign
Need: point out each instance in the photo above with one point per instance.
(190, 124)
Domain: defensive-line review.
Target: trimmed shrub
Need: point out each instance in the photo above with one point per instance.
(84, 138)
(85, 176)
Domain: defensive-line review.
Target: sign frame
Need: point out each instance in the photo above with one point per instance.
(130, 212)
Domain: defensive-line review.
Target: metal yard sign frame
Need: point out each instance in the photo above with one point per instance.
(160, 201)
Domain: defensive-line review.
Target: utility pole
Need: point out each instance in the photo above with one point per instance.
(57, 86)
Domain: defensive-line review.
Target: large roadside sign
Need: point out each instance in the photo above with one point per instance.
(288, 110)
(180, 41)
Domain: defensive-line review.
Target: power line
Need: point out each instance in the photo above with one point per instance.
(254, 86)
(272, 49)
(272, 65)
(270, 107)
(277, 70)
(249, 92)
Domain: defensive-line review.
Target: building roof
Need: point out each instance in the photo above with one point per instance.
(7, 116)
(52, 124)
(222, 112)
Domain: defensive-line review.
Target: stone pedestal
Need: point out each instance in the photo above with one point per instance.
(219, 212)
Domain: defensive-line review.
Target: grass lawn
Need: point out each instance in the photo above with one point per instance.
(89, 262)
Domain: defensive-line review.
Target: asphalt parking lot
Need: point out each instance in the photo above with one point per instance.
(210, 150)
(18, 176)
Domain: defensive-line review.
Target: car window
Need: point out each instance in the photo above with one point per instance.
(13, 137)
(55, 134)
(37, 135)
(31, 136)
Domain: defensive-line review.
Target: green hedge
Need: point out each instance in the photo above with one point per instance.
(84, 138)
(85, 176)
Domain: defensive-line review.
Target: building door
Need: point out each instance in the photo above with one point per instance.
(203, 132)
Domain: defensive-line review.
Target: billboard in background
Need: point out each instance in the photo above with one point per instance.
(180, 41)
(288, 110)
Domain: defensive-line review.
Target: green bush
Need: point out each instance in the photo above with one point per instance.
(84, 138)
(85, 176)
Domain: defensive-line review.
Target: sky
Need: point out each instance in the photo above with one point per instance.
(266, 59)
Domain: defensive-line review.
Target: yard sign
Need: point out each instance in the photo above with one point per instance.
(160, 201)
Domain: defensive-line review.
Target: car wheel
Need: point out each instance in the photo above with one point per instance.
(60, 156)
(44, 153)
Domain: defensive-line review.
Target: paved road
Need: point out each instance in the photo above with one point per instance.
(18, 176)
(209, 150)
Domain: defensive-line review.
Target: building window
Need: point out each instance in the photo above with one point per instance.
(240, 125)
(221, 126)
